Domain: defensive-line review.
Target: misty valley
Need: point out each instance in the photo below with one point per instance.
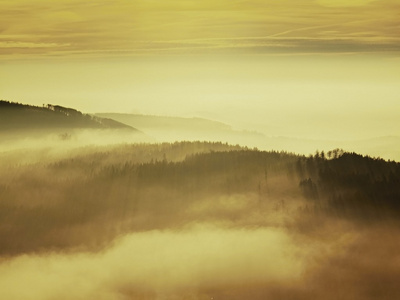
(199, 150)
(93, 208)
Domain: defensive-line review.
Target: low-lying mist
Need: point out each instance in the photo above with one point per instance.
(42, 145)
(49, 143)
(197, 220)
(205, 261)
(266, 135)
(158, 264)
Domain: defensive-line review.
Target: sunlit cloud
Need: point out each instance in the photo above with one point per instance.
(344, 3)
(30, 45)
(140, 27)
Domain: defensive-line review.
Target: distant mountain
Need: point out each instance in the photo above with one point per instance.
(16, 116)
(171, 129)
(165, 122)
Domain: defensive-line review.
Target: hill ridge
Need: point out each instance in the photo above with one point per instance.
(15, 116)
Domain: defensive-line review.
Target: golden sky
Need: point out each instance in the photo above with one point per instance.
(37, 28)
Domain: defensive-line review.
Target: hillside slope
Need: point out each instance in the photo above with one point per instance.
(130, 188)
(16, 116)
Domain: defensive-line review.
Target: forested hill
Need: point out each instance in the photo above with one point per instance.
(97, 195)
(351, 185)
(16, 116)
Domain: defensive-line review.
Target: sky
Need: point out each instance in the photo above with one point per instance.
(316, 69)
(38, 28)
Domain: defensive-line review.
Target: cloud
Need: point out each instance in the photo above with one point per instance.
(344, 3)
(150, 27)
(11, 44)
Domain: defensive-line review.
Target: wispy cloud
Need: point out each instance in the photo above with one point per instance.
(11, 44)
(344, 3)
(73, 27)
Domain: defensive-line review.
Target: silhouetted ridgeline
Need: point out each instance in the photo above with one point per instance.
(15, 116)
(89, 199)
(351, 185)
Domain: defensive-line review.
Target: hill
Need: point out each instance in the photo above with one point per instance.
(159, 186)
(16, 116)
(171, 129)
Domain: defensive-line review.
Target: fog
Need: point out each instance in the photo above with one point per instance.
(203, 262)
(230, 182)
(40, 145)
(157, 264)
(297, 103)
(194, 220)
(156, 129)
(309, 97)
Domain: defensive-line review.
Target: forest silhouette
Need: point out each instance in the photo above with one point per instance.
(17, 116)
